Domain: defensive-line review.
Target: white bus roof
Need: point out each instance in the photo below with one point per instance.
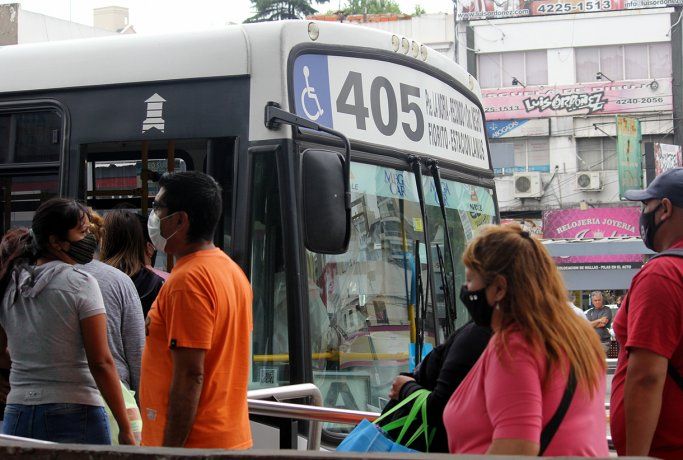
(229, 51)
(259, 51)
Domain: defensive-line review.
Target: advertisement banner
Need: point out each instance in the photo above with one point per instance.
(594, 223)
(580, 99)
(667, 157)
(629, 158)
(518, 128)
(472, 10)
(533, 226)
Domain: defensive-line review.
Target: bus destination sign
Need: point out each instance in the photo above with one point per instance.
(391, 105)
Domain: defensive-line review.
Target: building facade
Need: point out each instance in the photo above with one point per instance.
(19, 26)
(552, 87)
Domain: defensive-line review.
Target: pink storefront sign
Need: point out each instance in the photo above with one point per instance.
(592, 223)
(620, 97)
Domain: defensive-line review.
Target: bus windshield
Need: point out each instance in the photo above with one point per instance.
(360, 302)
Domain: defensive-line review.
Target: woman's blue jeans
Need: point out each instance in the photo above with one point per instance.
(65, 423)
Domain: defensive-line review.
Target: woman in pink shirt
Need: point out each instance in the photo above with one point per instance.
(515, 388)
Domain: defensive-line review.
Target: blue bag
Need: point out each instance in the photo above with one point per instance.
(370, 437)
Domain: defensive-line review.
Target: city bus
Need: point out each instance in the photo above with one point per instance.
(349, 291)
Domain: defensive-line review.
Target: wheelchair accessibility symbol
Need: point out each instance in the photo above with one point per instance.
(309, 95)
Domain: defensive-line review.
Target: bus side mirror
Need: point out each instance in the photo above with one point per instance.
(326, 220)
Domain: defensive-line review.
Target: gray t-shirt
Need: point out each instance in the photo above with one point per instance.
(41, 313)
(125, 321)
(597, 313)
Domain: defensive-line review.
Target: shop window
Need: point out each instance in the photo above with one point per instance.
(596, 154)
(496, 70)
(619, 62)
(531, 154)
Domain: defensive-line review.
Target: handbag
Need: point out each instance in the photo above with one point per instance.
(381, 436)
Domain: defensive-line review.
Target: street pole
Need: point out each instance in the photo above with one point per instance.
(455, 30)
(677, 73)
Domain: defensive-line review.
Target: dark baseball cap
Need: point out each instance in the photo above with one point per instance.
(669, 185)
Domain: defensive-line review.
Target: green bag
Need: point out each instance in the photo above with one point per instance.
(404, 415)
(133, 413)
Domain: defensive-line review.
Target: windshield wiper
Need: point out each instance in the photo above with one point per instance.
(417, 170)
(451, 313)
(446, 292)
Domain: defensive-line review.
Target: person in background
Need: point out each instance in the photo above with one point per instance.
(125, 322)
(123, 247)
(647, 389)
(441, 372)
(538, 348)
(55, 327)
(579, 312)
(150, 250)
(600, 317)
(196, 363)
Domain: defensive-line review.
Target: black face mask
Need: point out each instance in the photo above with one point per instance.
(83, 251)
(648, 228)
(477, 306)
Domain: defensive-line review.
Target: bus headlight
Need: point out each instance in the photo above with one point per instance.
(415, 49)
(313, 31)
(405, 45)
(423, 52)
(395, 42)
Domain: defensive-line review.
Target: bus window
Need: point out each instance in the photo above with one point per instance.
(5, 127)
(270, 336)
(30, 137)
(22, 195)
(365, 298)
(115, 173)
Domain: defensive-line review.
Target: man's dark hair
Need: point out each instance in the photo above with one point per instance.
(198, 195)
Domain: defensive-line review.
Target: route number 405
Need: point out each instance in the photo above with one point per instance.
(354, 85)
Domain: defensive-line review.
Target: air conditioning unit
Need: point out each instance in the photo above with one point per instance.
(528, 185)
(589, 181)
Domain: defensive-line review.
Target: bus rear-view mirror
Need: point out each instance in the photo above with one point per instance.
(327, 221)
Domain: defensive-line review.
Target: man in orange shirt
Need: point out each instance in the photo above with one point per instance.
(195, 366)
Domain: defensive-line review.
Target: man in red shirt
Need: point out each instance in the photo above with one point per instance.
(647, 403)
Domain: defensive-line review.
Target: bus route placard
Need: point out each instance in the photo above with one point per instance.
(390, 104)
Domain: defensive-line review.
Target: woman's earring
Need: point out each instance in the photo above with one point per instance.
(498, 306)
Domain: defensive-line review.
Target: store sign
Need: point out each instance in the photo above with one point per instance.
(518, 128)
(593, 223)
(579, 99)
(629, 158)
(471, 10)
(533, 226)
(390, 105)
(667, 157)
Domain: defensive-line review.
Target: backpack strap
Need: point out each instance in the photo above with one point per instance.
(675, 376)
(671, 370)
(671, 252)
(551, 428)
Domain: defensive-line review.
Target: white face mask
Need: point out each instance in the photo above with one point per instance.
(154, 229)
